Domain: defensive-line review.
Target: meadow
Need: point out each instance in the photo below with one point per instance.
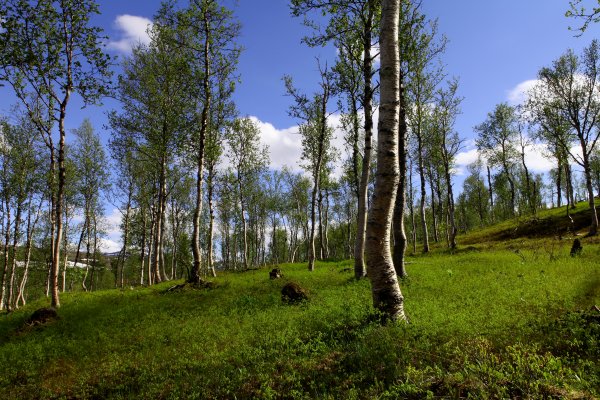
(484, 323)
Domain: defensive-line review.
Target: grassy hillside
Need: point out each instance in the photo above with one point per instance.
(495, 323)
(547, 224)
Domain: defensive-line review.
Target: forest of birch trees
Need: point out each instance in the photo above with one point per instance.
(191, 177)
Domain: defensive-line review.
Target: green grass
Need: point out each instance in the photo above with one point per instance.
(482, 324)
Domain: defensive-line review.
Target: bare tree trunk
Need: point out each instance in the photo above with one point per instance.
(452, 219)
(59, 205)
(163, 225)
(66, 251)
(3, 293)
(411, 198)
(28, 246)
(529, 194)
(158, 220)
(569, 183)
(94, 278)
(143, 252)
(359, 250)
(491, 190)
(321, 232)
(125, 240)
(211, 222)
(317, 176)
(590, 189)
(243, 219)
(433, 207)
(11, 282)
(326, 225)
(559, 184)
(311, 240)
(88, 242)
(387, 296)
(423, 199)
(151, 249)
(195, 272)
(400, 205)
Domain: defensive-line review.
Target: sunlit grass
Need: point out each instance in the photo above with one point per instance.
(467, 313)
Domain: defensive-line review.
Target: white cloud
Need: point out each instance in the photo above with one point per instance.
(133, 30)
(518, 94)
(110, 246)
(535, 159)
(285, 145)
(112, 224)
(467, 157)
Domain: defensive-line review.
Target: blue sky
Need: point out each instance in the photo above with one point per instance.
(494, 46)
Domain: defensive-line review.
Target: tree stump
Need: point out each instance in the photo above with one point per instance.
(293, 293)
(275, 273)
(576, 248)
(42, 316)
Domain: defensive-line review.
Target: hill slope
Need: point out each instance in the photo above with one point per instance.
(551, 223)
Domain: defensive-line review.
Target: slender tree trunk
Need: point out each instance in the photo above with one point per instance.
(81, 237)
(88, 242)
(590, 189)
(491, 191)
(511, 184)
(158, 228)
(436, 238)
(387, 296)
(313, 206)
(529, 193)
(411, 197)
(400, 204)
(125, 240)
(143, 252)
(59, 204)
(94, 278)
(559, 184)
(163, 225)
(244, 225)
(30, 229)
(321, 232)
(317, 177)
(66, 251)
(326, 225)
(3, 293)
(174, 235)
(452, 220)
(423, 200)
(569, 183)
(11, 282)
(195, 272)
(360, 270)
(211, 222)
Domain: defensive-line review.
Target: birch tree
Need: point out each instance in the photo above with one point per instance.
(48, 51)
(387, 296)
(570, 89)
(249, 159)
(316, 141)
(352, 27)
(497, 139)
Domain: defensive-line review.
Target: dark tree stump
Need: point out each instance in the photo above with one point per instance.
(576, 248)
(275, 273)
(42, 316)
(293, 293)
